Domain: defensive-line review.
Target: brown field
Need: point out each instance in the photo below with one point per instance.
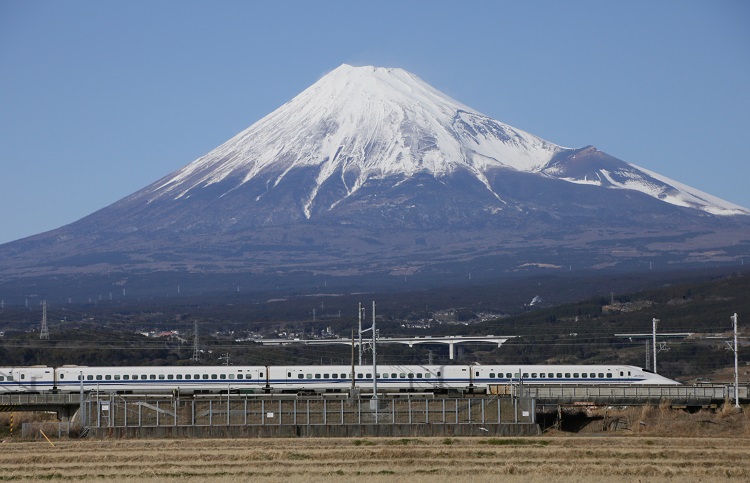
(634, 444)
(383, 459)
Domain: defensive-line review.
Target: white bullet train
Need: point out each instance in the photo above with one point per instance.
(310, 379)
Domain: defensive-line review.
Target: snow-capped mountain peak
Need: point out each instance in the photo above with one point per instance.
(371, 171)
(358, 124)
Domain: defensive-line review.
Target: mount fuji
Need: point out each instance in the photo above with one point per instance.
(372, 171)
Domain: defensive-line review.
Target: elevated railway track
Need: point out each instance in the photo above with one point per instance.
(693, 396)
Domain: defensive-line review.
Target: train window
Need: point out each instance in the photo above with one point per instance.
(89, 377)
(152, 376)
(360, 375)
(541, 375)
(601, 375)
(260, 375)
(108, 377)
(628, 373)
(477, 373)
(567, 374)
(492, 375)
(144, 376)
(369, 375)
(559, 375)
(178, 376)
(23, 376)
(419, 376)
(402, 375)
(584, 375)
(427, 375)
(609, 375)
(170, 376)
(516, 375)
(239, 376)
(394, 375)
(10, 378)
(533, 375)
(161, 376)
(213, 376)
(622, 373)
(117, 377)
(80, 377)
(575, 374)
(223, 376)
(300, 376)
(231, 376)
(126, 377)
(317, 376)
(62, 376)
(187, 376)
(309, 376)
(525, 375)
(99, 377)
(411, 375)
(438, 374)
(550, 375)
(2, 378)
(288, 374)
(326, 376)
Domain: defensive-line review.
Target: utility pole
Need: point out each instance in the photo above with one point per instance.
(374, 362)
(655, 321)
(44, 333)
(736, 374)
(360, 332)
(353, 371)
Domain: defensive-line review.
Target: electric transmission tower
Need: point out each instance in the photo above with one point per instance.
(44, 333)
(196, 351)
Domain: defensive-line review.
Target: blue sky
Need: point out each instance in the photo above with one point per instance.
(99, 99)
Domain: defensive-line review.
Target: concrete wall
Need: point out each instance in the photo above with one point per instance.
(341, 431)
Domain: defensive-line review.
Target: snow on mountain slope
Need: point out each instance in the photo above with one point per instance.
(362, 123)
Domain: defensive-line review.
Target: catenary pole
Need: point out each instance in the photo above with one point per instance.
(374, 356)
(736, 373)
(654, 337)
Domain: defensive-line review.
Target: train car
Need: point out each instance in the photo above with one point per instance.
(413, 378)
(311, 378)
(33, 379)
(183, 379)
(565, 374)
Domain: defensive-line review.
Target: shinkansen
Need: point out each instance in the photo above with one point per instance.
(311, 379)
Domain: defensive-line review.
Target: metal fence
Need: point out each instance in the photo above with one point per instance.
(112, 411)
(48, 429)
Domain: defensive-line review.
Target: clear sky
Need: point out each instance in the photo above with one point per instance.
(100, 98)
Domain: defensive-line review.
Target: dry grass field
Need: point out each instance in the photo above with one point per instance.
(414, 460)
(633, 444)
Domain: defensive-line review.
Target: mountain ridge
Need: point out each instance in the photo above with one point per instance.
(375, 171)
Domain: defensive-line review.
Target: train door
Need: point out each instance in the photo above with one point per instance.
(293, 378)
(30, 380)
